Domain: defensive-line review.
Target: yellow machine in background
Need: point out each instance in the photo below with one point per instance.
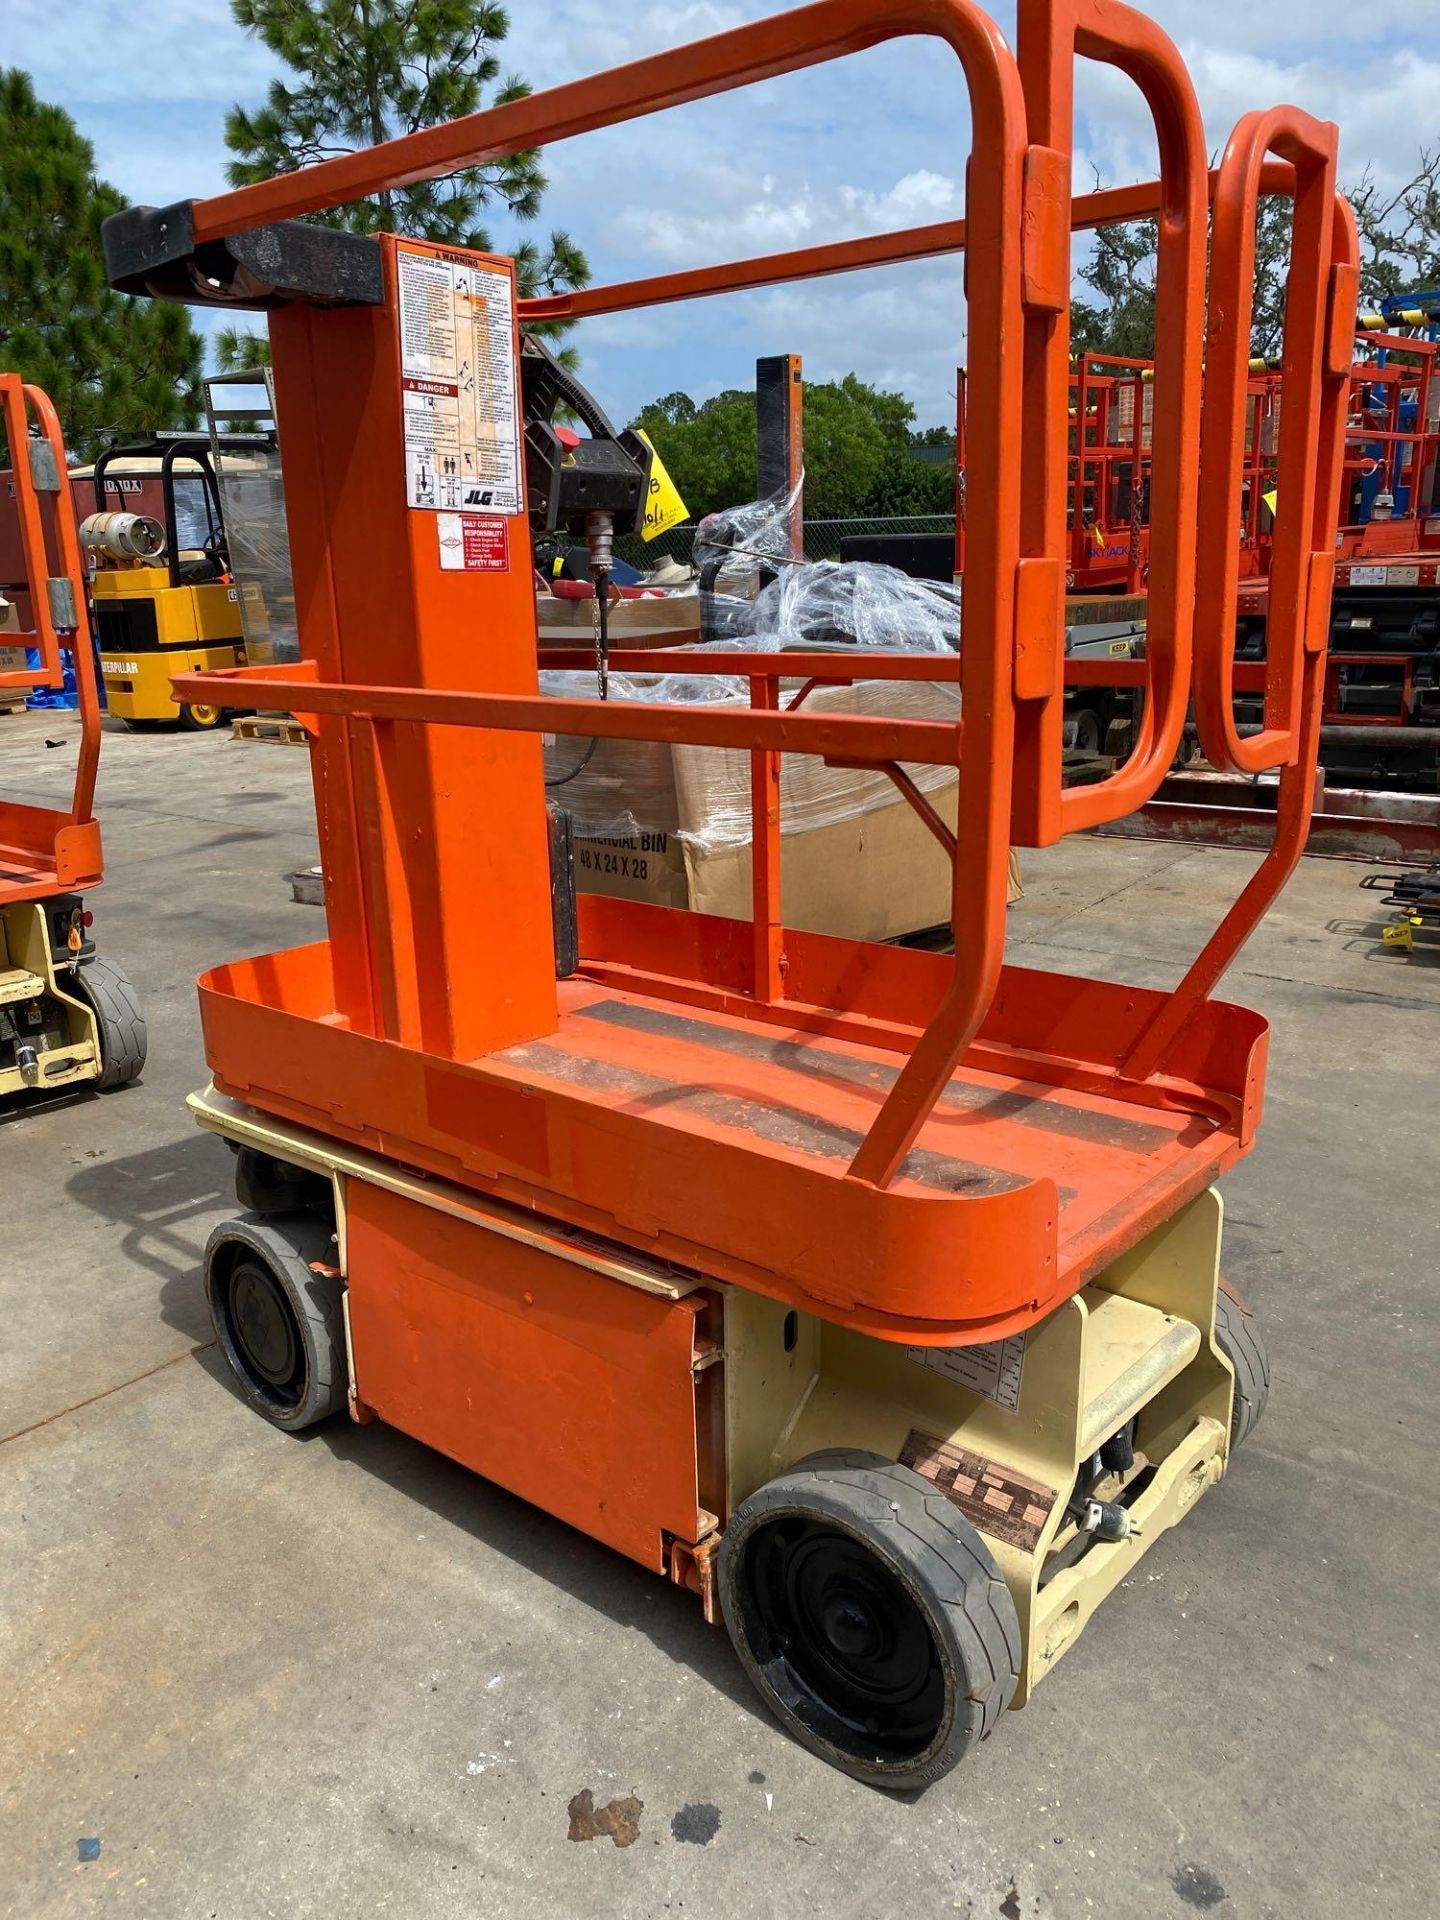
(160, 608)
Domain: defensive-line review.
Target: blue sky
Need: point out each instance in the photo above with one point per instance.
(871, 142)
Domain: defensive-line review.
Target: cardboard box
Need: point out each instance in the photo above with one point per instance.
(669, 619)
(670, 825)
(12, 659)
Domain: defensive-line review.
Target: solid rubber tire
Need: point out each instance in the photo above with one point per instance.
(285, 1245)
(121, 1019)
(925, 1542)
(1239, 1338)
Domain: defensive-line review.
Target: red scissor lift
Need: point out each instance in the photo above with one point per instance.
(68, 1016)
(1381, 704)
(1109, 473)
(870, 1293)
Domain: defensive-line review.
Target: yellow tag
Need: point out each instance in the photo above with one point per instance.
(1270, 499)
(664, 507)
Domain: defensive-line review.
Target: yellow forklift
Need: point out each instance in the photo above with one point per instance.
(160, 608)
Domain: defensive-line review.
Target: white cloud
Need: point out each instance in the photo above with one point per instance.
(724, 214)
(677, 26)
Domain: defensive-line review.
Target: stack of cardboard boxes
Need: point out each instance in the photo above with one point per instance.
(12, 658)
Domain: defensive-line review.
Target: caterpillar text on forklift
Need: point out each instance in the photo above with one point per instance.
(873, 1294)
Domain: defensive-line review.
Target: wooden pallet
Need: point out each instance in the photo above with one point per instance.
(278, 729)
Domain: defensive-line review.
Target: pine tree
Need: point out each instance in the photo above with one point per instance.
(239, 350)
(369, 70)
(104, 359)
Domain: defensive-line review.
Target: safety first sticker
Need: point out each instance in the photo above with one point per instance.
(472, 543)
(458, 385)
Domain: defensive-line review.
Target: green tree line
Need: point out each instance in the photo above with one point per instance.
(860, 446)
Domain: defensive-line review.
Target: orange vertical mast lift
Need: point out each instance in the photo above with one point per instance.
(69, 1016)
(870, 1293)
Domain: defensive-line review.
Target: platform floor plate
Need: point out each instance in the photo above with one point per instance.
(815, 1098)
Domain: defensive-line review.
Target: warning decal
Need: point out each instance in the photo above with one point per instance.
(457, 366)
(471, 543)
(992, 1497)
(993, 1369)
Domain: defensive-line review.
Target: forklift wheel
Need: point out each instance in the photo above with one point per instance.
(202, 719)
(121, 1020)
(279, 1323)
(870, 1616)
(1238, 1336)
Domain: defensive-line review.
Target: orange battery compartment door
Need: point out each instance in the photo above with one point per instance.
(570, 1389)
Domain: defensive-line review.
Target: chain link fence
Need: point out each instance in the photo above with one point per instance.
(822, 537)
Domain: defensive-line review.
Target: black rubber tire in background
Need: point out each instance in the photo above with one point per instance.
(928, 1556)
(1239, 1338)
(256, 1263)
(190, 722)
(265, 1185)
(121, 1019)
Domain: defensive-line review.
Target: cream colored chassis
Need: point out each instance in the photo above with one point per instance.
(26, 971)
(1138, 1342)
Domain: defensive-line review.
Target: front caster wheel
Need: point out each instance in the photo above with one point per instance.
(1238, 1336)
(279, 1323)
(870, 1616)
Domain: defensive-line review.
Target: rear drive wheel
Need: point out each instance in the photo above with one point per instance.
(279, 1323)
(870, 1616)
(1238, 1336)
(120, 1017)
(198, 719)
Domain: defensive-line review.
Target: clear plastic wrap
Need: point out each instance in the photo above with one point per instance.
(858, 603)
(252, 499)
(760, 529)
(738, 552)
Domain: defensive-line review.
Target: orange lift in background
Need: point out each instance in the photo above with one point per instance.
(870, 1293)
(68, 1015)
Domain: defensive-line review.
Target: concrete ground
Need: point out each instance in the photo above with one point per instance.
(293, 1677)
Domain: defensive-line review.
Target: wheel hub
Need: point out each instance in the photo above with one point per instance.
(850, 1629)
(859, 1659)
(264, 1327)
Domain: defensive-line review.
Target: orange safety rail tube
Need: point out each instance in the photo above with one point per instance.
(1320, 308)
(376, 1008)
(42, 849)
